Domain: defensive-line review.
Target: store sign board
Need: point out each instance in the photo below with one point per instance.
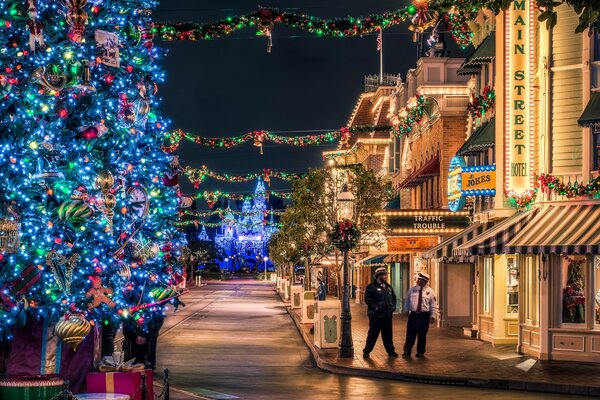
(519, 102)
(426, 221)
(479, 181)
(411, 244)
(466, 181)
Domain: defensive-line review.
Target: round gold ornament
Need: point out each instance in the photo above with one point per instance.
(105, 180)
(72, 329)
(110, 200)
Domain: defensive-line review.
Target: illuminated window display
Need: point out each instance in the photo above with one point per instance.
(573, 292)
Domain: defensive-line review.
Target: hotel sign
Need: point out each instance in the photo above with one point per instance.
(518, 58)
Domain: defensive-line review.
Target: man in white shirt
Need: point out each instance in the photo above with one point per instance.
(422, 308)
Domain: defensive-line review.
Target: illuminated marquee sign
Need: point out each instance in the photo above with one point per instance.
(479, 181)
(518, 58)
(466, 181)
(456, 201)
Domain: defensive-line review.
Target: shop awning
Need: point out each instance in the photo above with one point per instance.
(401, 258)
(443, 251)
(570, 229)
(494, 240)
(591, 114)
(483, 54)
(373, 261)
(430, 169)
(481, 139)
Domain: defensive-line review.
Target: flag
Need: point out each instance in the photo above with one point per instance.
(380, 40)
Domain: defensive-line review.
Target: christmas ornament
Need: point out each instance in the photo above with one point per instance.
(162, 293)
(72, 329)
(10, 292)
(51, 77)
(147, 36)
(62, 269)
(107, 48)
(422, 19)
(105, 182)
(139, 201)
(77, 18)
(99, 294)
(35, 27)
(171, 179)
(259, 138)
(479, 106)
(86, 77)
(265, 27)
(74, 212)
(126, 114)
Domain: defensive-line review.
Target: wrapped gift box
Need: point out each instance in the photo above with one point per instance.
(121, 382)
(30, 389)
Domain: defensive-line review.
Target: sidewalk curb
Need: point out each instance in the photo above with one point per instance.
(474, 382)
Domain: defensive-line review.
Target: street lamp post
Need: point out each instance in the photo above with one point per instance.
(346, 212)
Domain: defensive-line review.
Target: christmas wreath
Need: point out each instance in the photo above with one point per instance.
(345, 235)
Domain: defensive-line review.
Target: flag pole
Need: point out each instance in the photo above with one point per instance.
(380, 55)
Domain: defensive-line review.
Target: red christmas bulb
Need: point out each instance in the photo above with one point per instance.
(90, 133)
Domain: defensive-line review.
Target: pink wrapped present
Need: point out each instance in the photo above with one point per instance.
(128, 383)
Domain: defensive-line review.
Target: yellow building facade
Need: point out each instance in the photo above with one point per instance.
(536, 280)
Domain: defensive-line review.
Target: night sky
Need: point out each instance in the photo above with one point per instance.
(231, 85)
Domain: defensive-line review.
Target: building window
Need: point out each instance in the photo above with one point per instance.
(596, 148)
(596, 46)
(573, 292)
(488, 263)
(512, 286)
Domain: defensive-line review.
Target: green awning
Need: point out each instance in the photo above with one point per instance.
(393, 204)
(373, 261)
(483, 54)
(482, 139)
(591, 114)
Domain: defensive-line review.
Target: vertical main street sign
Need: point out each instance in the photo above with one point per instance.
(519, 105)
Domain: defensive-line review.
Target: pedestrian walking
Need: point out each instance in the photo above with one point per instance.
(381, 300)
(421, 305)
(321, 287)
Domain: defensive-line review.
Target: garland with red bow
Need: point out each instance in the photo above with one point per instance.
(345, 235)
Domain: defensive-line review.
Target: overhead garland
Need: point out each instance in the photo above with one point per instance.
(225, 222)
(198, 175)
(261, 136)
(224, 211)
(211, 197)
(265, 18)
(422, 15)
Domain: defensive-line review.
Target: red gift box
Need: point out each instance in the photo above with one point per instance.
(128, 383)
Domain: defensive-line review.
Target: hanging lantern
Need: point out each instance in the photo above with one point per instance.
(72, 329)
(77, 18)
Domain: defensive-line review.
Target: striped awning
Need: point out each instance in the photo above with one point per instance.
(569, 229)
(494, 240)
(375, 260)
(400, 258)
(430, 169)
(443, 251)
(483, 54)
(591, 114)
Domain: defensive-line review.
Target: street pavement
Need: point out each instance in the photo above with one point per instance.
(235, 339)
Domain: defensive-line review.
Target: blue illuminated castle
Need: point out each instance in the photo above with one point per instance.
(244, 236)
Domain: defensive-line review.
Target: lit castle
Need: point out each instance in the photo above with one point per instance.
(244, 239)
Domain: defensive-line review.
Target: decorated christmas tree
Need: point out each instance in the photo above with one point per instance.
(87, 196)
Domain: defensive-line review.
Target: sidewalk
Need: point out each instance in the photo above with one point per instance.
(453, 359)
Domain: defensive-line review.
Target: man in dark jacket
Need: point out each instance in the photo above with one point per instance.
(381, 300)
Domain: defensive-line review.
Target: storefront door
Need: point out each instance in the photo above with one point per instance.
(400, 282)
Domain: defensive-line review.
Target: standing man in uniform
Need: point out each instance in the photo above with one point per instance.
(381, 300)
(421, 305)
